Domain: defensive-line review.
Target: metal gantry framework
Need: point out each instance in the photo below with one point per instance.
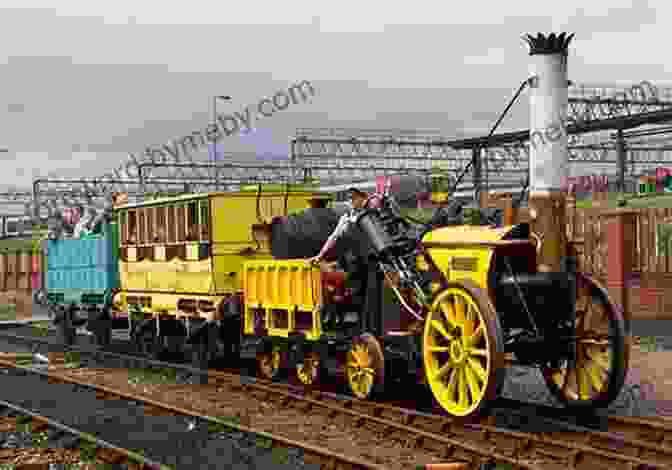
(505, 154)
(333, 156)
(95, 193)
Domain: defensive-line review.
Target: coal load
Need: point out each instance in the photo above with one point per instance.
(302, 235)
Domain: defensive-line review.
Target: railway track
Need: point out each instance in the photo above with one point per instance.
(73, 446)
(273, 444)
(523, 435)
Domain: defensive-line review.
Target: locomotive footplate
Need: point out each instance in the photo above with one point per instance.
(403, 355)
(532, 350)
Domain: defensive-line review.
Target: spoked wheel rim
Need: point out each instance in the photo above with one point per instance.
(364, 366)
(598, 375)
(463, 350)
(308, 371)
(269, 363)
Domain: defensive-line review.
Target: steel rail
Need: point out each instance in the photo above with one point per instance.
(125, 453)
(641, 437)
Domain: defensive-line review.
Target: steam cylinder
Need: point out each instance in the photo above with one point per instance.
(373, 230)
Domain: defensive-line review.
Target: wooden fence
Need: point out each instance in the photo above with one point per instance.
(653, 240)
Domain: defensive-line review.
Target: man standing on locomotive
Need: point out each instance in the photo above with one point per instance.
(359, 270)
(359, 200)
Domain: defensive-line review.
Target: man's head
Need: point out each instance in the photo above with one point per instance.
(357, 198)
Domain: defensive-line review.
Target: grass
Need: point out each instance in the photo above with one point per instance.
(649, 344)
(71, 359)
(632, 201)
(7, 312)
(151, 376)
(41, 328)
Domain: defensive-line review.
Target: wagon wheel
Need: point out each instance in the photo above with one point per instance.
(269, 363)
(463, 349)
(308, 371)
(148, 344)
(365, 367)
(602, 355)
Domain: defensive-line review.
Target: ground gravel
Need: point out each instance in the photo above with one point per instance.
(173, 440)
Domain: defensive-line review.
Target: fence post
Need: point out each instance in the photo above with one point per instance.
(620, 226)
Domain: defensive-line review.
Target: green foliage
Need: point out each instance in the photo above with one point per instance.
(40, 438)
(280, 455)
(649, 344)
(664, 239)
(40, 328)
(23, 423)
(157, 376)
(472, 216)
(421, 215)
(71, 359)
(264, 443)
(7, 312)
(218, 427)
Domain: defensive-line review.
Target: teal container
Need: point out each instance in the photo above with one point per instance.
(83, 271)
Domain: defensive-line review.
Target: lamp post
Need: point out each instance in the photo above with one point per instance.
(214, 144)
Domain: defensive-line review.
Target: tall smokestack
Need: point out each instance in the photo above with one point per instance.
(549, 159)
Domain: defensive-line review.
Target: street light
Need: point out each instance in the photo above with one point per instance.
(214, 114)
(214, 121)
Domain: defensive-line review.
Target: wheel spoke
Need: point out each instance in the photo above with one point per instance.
(596, 376)
(468, 325)
(438, 349)
(459, 312)
(473, 383)
(584, 385)
(477, 368)
(478, 352)
(447, 314)
(476, 335)
(463, 400)
(452, 385)
(438, 326)
(448, 366)
(569, 386)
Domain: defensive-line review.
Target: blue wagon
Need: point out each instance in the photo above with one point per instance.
(82, 276)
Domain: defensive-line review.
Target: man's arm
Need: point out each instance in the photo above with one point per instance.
(343, 224)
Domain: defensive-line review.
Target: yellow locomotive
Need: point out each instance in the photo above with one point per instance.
(449, 306)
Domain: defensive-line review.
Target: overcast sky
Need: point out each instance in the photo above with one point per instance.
(86, 83)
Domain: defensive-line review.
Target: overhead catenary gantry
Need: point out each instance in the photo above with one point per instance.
(502, 154)
(97, 192)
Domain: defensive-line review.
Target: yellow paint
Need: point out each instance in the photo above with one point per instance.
(475, 239)
(483, 254)
(233, 215)
(185, 276)
(231, 218)
(465, 234)
(167, 303)
(286, 285)
(456, 352)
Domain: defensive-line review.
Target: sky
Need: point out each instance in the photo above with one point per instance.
(85, 83)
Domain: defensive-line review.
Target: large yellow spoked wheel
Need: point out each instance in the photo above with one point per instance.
(308, 371)
(269, 363)
(365, 367)
(595, 379)
(463, 350)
